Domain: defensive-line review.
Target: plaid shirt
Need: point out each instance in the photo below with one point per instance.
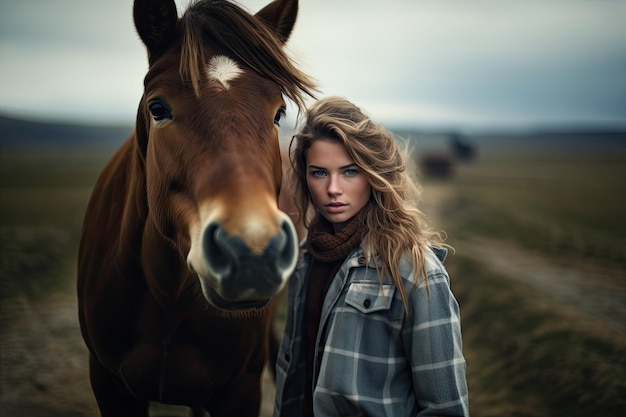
(372, 359)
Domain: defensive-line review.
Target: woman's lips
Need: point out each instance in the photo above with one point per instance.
(335, 208)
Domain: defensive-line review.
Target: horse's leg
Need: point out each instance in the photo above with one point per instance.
(241, 399)
(274, 347)
(196, 412)
(114, 400)
(274, 333)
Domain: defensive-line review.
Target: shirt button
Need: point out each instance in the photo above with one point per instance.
(367, 303)
(361, 260)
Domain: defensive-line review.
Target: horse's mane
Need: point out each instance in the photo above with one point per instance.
(243, 36)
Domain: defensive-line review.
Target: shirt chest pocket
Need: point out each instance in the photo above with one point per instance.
(369, 297)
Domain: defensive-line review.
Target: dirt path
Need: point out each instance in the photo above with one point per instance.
(596, 293)
(43, 359)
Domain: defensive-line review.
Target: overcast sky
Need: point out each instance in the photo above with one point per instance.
(456, 64)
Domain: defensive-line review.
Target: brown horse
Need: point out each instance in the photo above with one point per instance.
(183, 245)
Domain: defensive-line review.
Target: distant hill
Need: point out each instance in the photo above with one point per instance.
(535, 141)
(23, 133)
(28, 133)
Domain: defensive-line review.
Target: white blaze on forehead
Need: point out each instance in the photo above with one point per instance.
(223, 69)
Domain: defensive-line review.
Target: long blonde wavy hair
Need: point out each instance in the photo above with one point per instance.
(396, 227)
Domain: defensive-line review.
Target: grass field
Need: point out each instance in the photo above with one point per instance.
(566, 205)
(528, 354)
(43, 197)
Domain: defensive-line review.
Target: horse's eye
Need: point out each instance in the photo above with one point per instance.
(159, 110)
(282, 112)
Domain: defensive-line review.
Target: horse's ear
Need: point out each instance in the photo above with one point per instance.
(156, 22)
(280, 15)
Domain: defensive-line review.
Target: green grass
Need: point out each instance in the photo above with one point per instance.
(34, 260)
(43, 196)
(569, 208)
(527, 357)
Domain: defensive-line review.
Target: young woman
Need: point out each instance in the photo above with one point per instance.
(372, 327)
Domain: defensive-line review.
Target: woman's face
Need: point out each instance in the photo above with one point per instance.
(339, 189)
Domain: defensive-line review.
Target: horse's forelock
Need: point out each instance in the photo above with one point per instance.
(244, 37)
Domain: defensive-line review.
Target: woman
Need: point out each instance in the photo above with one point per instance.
(372, 326)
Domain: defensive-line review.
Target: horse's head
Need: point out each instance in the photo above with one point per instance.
(207, 128)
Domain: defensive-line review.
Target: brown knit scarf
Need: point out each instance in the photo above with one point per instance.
(326, 246)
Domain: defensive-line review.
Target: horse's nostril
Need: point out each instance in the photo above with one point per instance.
(216, 250)
(288, 247)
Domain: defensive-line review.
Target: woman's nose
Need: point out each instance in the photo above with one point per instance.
(334, 186)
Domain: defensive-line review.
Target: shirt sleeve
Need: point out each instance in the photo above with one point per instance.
(432, 339)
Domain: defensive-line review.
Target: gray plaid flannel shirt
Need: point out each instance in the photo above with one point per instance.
(372, 359)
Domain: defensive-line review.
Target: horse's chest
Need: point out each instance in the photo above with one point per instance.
(176, 357)
(171, 373)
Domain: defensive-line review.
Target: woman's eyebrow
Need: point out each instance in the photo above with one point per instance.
(352, 165)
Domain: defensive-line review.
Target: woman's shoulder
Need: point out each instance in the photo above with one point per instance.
(440, 252)
(434, 258)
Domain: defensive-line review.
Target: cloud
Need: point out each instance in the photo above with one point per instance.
(516, 61)
(70, 59)
(453, 62)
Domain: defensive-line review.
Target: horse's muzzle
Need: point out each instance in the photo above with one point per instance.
(238, 277)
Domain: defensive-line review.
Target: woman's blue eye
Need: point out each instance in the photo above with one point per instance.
(351, 172)
(318, 173)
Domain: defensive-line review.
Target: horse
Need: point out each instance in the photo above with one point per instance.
(183, 246)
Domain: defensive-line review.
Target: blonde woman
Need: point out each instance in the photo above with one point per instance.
(372, 328)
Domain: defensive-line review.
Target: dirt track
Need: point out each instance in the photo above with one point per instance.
(43, 359)
(598, 294)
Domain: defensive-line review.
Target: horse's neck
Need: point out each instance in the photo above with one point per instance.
(131, 180)
(165, 272)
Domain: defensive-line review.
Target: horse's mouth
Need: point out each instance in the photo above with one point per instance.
(223, 304)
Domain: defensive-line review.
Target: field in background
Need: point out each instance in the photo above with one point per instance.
(539, 272)
(43, 194)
